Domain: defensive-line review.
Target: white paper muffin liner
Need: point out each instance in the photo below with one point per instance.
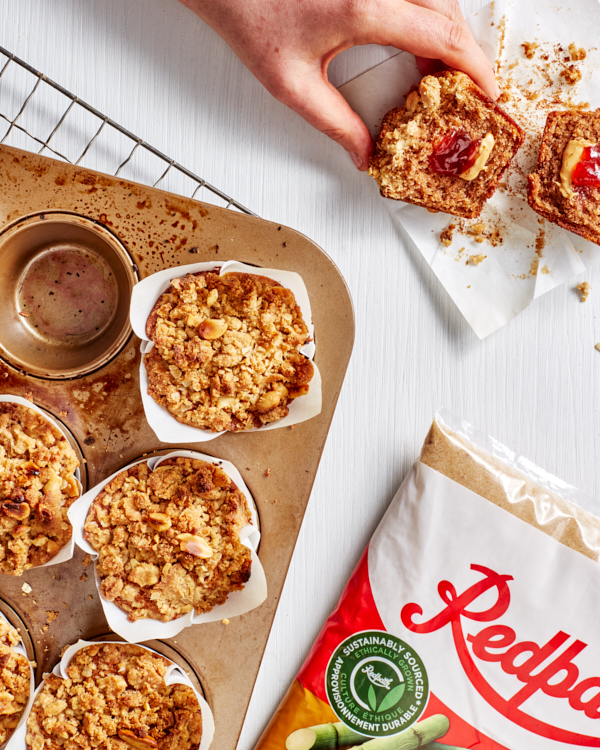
(144, 297)
(65, 553)
(173, 676)
(13, 740)
(238, 602)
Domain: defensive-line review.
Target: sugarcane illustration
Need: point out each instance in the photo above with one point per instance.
(331, 736)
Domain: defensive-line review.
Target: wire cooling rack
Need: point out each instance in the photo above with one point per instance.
(39, 115)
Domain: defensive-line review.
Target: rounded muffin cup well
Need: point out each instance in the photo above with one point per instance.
(174, 675)
(18, 735)
(65, 553)
(144, 297)
(238, 602)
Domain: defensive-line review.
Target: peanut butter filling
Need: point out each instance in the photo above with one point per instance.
(571, 158)
(483, 154)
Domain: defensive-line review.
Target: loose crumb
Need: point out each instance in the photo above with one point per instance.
(26, 588)
(51, 615)
(597, 346)
(475, 260)
(83, 577)
(87, 561)
(584, 290)
(529, 49)
(225, 621)
(544, 269)
(268, 473)
(24, 314)
(446, 235)
(571, 75)
(577, 53)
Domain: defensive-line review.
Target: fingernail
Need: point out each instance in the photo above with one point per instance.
(356, 159)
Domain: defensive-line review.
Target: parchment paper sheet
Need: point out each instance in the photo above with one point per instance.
(511, 275)
(238, 602)
(143, 299)
(173, 676)
(66, 552)
(18, 735)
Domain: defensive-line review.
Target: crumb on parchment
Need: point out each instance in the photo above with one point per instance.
(584, 290)
(475, 260)
(571, 75)
(577, 53)
(529, 49)
(446, 235)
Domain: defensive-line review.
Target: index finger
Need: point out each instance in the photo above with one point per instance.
(415, 27)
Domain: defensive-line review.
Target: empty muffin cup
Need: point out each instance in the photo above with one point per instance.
(66, 283)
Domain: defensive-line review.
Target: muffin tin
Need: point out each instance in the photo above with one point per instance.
(97, 396)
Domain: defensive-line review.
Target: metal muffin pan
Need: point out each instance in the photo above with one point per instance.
(101, 407)
(71, 282)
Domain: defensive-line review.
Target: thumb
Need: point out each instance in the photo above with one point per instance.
(315, 99)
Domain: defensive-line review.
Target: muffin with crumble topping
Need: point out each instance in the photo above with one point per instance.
(226, 352)
(168, 540)
(37, 487)
(15, 679)
(114, 696)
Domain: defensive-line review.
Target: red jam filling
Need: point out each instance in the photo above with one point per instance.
(454, 153)
(587, 169)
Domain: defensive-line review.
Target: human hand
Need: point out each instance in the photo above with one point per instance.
(288, 45)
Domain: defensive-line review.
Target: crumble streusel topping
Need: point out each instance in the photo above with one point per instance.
(226, 354)
(168, 540)
(14, 681)
(114, 698)
(37, 486)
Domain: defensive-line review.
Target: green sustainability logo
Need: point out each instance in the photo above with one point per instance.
(376, 684)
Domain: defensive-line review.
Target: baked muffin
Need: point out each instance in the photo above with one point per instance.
(565, 187)
(447, 148)
(114, 697)
(226, 354)
(168, 540)
(37, 487)
(15, 677)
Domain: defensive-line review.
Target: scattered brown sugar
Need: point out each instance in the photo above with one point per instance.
(14, 681)
(227, 351)
(416, 157)
(540, 242)
(114, 696)
(37, 487)
(446, 235)
(529, 49)
(475, 260)
(584, 290)
(576, 209)
(577, 53)
(168, 540)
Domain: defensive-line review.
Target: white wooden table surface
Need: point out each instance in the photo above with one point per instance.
(159, 71)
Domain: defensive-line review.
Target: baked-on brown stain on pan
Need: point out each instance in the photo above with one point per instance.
(103, 410)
